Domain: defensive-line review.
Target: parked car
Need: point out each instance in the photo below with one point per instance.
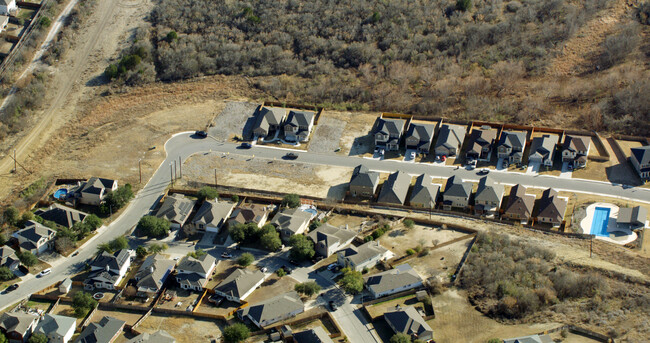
(246, 146)
(412, 155)
(226, 255)
(505, 164)
(333, 306)
(201, 134)
(443, 158)
(263, 269)
(75, 253)
(483, 171)
(12, 288)
(44, 272)
(570, 167)
(332, 266)
(291, 156)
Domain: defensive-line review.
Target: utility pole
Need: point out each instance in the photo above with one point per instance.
(180, 167)
(140, 169)
(430, 207)
(591, 246)
(215, 177)
(175, 175)
(15, 162)
(171, 174)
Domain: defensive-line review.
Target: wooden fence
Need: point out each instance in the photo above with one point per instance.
(582, 332)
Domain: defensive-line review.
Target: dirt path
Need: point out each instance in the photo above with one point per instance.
(578, 53)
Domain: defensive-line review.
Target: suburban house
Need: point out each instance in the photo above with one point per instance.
(640, 158)
(511, 146)
(542, 150)
(456, 194)
(8, 7)
(17, 326)
(328, 239)
(152, 274)
(291, 221)
(409, 322)
(273, 310)
(551, 207)
(366, 255)
(8, 258)
(631, 217)
(212, 215)
(481, 141)
(269, 119)
(106, 331)
(419, 137)
(4, 21)
(239, 284)
(62, 215)
(315, 335)
(176, 209)
(425, 193)
(65, 285)
(193, 273)
(57, 329)
(520, 205)
(160, 336)
(450, 140)
(93, 191)
(107, 270)
(398, 279)
(487, 200)
(363, 182)
(395, 188)
(389, 133)
(249, 213)
(298, 126)
(35, 237)
(575, 150)
(530, 339)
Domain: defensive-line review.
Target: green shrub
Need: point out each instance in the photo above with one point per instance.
(410, 252)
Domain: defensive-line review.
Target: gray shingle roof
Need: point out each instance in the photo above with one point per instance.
(300, 118)
(176, 208)
(95, 185)
(451, 136)
(489, 191)
(17, 322)
(576, 143)
(315, 335)
(391, 127)
(632, 215)
(62, 215)
(34, 231)
(239, 282)
(364, 252)
(53, 324)
(291, 219)
(395, 188)
(200, 265)
(274, 307)
(114, 261)
(424, 192)
(363, 177)
(422, 132)
(552, 206)
(457, 188)
(330, 235)
(408, 321)
(397, 277)
(513, 139)
(157, 337)
(544, 146)
(8, 257)
(153, 272)
(213, 213)
(519, 202)
(642, 155)
(101, 332)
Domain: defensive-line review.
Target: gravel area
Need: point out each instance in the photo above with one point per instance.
(326, 137)
(232, 120)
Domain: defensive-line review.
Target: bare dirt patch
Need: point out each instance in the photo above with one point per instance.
(184, 329)
(327, 134)
(271, 287)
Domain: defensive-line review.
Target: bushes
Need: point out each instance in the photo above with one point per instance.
(352, 281)
(153, 227)
(237, 332)
(291, 201)
(245, 259)
(307, 288)
(27, 258)
(117, 199)
(618, 46)
(116, 244)
(82, 303)
(207, 193)
(302, 248)
(6, 274)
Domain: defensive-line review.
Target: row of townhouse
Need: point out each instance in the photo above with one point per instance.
(295, 126)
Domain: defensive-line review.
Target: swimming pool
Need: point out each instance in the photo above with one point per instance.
(60, 193)
(599, 224)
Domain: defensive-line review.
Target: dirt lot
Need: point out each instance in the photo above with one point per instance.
(453, 311)
(129, 317)
(356, 138)
(353, 222)
(185, 297)
(280, 176)
(184, 329)
(328, 132)
(378, 310)
(617, 169)
(271, 287)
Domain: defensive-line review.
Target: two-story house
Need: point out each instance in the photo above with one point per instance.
(487, 200)
(328, 239)
(176, 209)
(35, 238)
(395, 188)
(424, 194)
(520, 205)
(363, 182)
(152, 274)
(291, 221)
(212, 215)
(298, 126)
(239, 284)
(481, 141)
(640, 158)
(365, 255)
(273, 310)
(511, 146)
(193, 273)
(389, 133)
(18, 326)
(419, 137)
(450, 140)
(551, 208)
(93, 191)
(575, 150)
(542, 150)
(57, 329)
(107, 270)
(8, 258)
(457, 193)
(268, 120)
(398, 279)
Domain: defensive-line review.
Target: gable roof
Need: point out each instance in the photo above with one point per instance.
(397, 277)
(519, 202)
(8, 257)
(364, 252)
(113, 261)
(291, 219)
(391, 127)
(34, 231)
(62, 215)
(457, 188)
(300, 118)
(275, 307)
(315, 335)
(422, 132)
(530, 339)
(239, 282)
(101, 332)
(176, 208)
(424, 192)
(642, 154)
(160, 336)
(488, 190)
(632, 215)
(363, 177)
(576, 143)
(408, 321)
(17, 322)
(451, 136)
(330, 235)
(213, 213)
(513, 139)
(552, 206)
(196, 265)
(95, 185)
(153, 271)
(53, 324)
(272, 115)
(544, 146)
(395, 188)
(247, 213)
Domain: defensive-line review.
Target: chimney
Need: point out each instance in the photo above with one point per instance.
(108, 267)
(151, 269)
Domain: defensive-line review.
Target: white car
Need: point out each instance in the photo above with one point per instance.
(226, 255)
(412, 155)
(263, 269)
(44, 272)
